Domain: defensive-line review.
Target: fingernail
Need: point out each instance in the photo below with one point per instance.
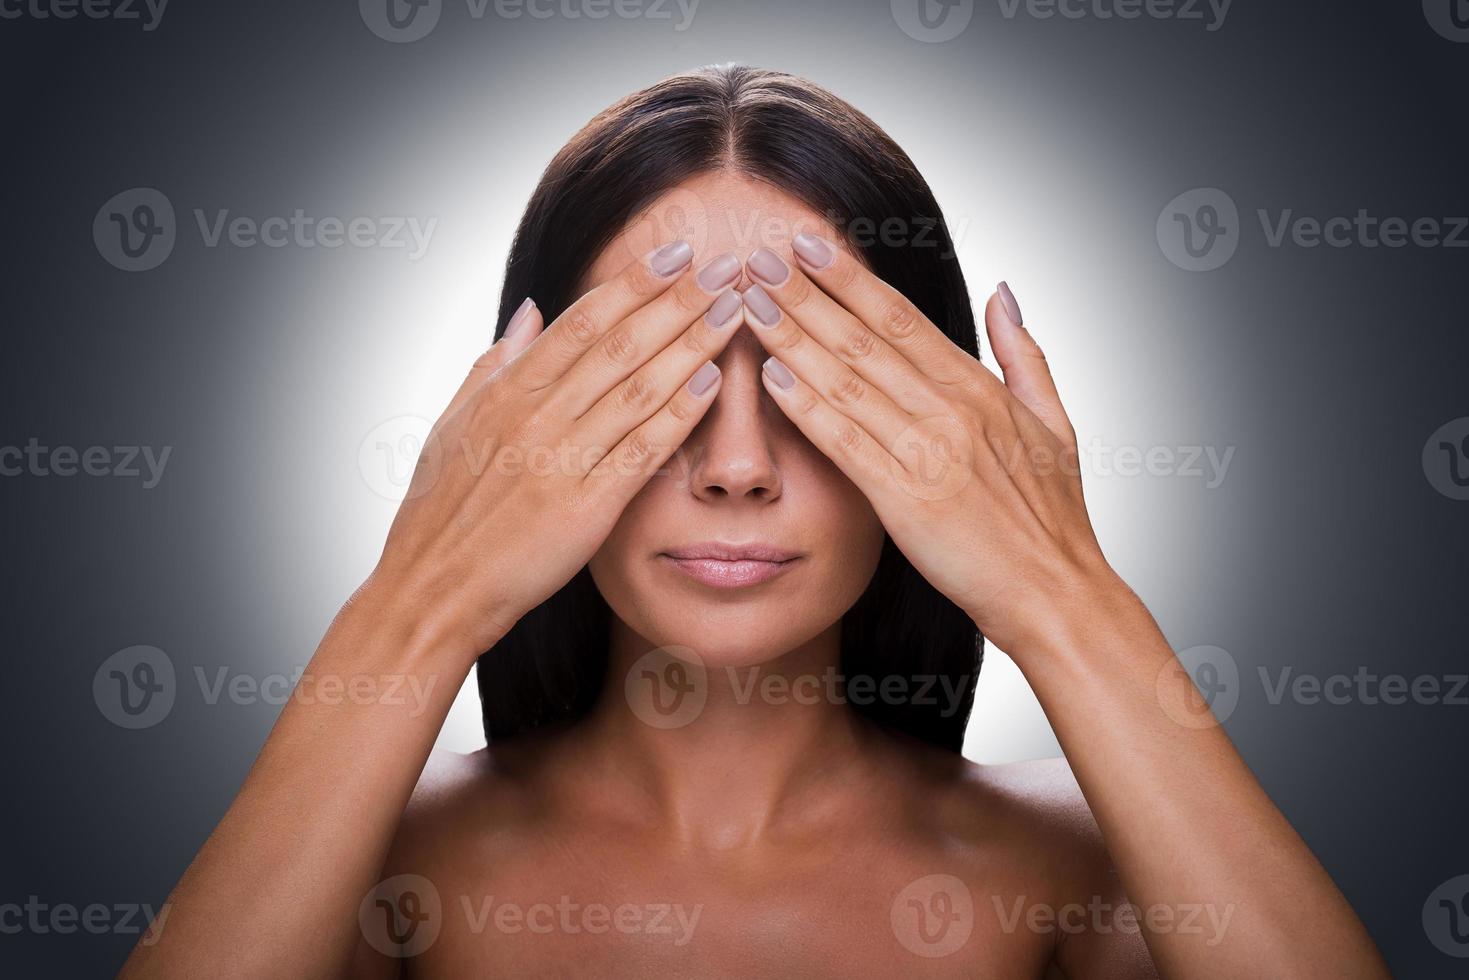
(723, 310)
(1012, 308)
(758, 302)
(703, 378)
(518, 318)
(780, 374)
(719, 272)
(769, 267)
(815, 252)
(671, 258)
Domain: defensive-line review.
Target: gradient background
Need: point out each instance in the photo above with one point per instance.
(1052, 144)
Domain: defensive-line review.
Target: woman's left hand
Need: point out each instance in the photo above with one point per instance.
(975, 479)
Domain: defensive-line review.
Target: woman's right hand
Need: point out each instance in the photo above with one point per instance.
(549, 437)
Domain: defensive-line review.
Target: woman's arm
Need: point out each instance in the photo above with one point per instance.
(481, 538)
(977, 482)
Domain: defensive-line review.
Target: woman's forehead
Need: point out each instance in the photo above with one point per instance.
(716, 213)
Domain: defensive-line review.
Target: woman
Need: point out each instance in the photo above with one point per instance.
(722, 518)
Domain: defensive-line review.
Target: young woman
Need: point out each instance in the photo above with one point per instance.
(722, 514)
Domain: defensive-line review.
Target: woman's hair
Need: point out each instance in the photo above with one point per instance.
(805, 141)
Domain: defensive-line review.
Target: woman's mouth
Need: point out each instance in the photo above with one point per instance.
(731, 566)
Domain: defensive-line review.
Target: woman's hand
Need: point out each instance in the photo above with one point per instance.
(549, 437)
(975, 479)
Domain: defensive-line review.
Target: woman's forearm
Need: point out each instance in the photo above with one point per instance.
(275, 889)
(1193, 835)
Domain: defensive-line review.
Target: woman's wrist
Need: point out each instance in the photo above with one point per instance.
(419, 630)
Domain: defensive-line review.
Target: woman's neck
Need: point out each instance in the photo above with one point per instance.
(726, 755)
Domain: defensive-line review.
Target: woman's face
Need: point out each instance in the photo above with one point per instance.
(745, 481)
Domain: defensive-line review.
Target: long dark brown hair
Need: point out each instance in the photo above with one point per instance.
(802, 139)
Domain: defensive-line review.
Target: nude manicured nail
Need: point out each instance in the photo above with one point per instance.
(758, 302)
(671, 258)
(780, 374)
(723, 310)
(703, 378)
(769, 267)
(719, 272)
(1012, 308)
(519, 317)
(815, 252)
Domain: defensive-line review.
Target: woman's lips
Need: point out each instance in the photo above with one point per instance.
(731, 566)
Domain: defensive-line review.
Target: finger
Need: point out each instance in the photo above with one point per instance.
(847, 392)
(600, 309)
(640, 336)
(886, 311)
(523, 327)
(624, 470)
(633, 400)
(1023, 363)
(843, 441)
(835, 329)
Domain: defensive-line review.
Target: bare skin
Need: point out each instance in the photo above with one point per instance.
(767, 836)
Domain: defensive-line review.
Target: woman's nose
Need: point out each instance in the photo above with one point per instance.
(733, 453)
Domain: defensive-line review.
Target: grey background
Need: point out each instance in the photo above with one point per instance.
(1054, 143)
